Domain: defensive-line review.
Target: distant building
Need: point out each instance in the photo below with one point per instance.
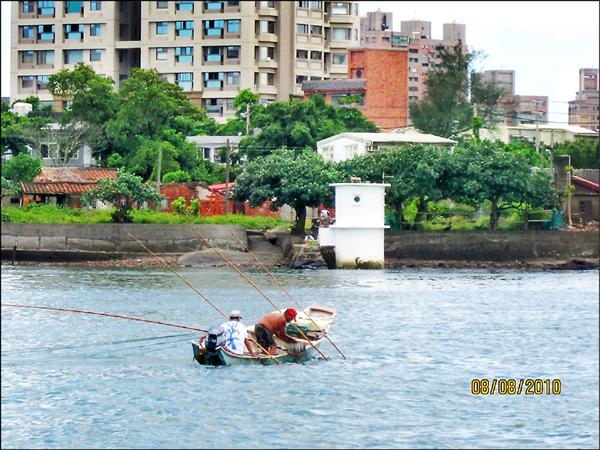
(583, 111)
(549, 135)
(415, 37)
(504, 79)
(348, 145)
(210, 146)
(376, 84)
(585, 199)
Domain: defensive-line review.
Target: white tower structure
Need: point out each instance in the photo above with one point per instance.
(358, 232)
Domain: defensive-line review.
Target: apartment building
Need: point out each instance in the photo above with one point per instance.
(212, 49)
(583, 111)
(415, 37)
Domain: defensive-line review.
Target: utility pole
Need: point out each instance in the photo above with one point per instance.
(247, 118)
(227, 178)
(537, 133)
(159, 168)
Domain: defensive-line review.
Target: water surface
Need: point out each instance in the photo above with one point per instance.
(413, 340)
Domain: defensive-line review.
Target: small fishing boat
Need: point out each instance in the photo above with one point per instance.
(310, 328)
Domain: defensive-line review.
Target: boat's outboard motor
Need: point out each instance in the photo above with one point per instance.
(214, 342)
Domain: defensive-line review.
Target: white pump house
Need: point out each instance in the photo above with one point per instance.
(358, 232)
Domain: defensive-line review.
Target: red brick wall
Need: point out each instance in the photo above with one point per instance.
(386, 96)
(173, 191)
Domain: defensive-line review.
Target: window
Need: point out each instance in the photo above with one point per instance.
(302, 28)
(46, 8)
(73, 56)
(316, 5)
(206, 152)
(233, 78)
(266, 53)
(301, 79)
(73, 31)
(316, 56)
(302, 54)
(95, 29)
(303, 4)
(26, 82)
(28, 32)
(184, 28)
(266, 79)
(27, 7)
(214, 27)
(233, 52)
(413, 88)
(162, 4)
(96, 6)
(95, 55)
(184, 54)
(413, 78)
(340, 34)
(267, 4)
(74, 7)
(316, 30)
(340, 9)
(161, 54)
(213, 80)
(184, 5)
(233, 26)
(213, 105)
(184, 80)
(46, 32)
(413, 60)
(26, 57)
(267, 26)
(338, 58)
(162, 27)
(45, 57)
(212, 54)
(233, 3)
(213, 6)
(42, 82)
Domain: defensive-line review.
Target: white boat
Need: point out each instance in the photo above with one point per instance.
(310, 328)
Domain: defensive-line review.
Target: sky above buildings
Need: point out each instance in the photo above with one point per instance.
(545, 43)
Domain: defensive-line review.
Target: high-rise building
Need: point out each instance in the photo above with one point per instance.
(212, 49)
(504, 79)
(583, 111)
(415, 37)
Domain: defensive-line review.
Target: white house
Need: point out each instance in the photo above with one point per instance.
(548, 134)
(348, 145)
(209, 146)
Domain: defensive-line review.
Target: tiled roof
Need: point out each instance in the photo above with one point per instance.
(592, 175)
(585, 183)
(220, 188)
(51, 188)
(334, 85)
(74, 174)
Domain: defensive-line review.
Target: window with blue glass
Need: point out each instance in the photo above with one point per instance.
(46, 32)
(233, 78)
(27, 7)
(46, 8)
(96, 6)
(184, 54)
(233, 26)
(95, 29)
(73, 56)
(184, 28)
(161, 54)
(74, 31)
(162, 27)
(45, 57)
(28, 31)
(213, 6)
(212, 54)
(214, 27)
(26, 57)
(213, 79)
(184, 5)
(74, 7)
(95, 54)
(185, 80)
(42, 82)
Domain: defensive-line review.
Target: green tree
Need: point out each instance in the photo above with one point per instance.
(584, 152)
(179, 176)
(21, 168)
(297, 179)
(126, 192)
(454, 90)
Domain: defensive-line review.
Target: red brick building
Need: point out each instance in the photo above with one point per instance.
(377, 84)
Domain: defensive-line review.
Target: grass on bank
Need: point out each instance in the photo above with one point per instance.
(52, 214)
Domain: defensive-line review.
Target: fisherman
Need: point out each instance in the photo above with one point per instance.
(236, 335)
(274, 324)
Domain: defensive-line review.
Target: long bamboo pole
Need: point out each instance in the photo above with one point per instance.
(288, 293)
(119, 316)
(194, 289)
(257, 288)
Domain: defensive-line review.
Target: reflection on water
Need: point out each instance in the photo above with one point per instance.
(413, 339)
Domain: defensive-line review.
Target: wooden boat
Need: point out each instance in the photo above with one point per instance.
(311, 324)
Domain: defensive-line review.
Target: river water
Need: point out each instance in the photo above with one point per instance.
(413, 339)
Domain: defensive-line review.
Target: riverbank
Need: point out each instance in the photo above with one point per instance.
(244, 260)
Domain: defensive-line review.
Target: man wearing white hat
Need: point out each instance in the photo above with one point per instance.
(236, 335)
